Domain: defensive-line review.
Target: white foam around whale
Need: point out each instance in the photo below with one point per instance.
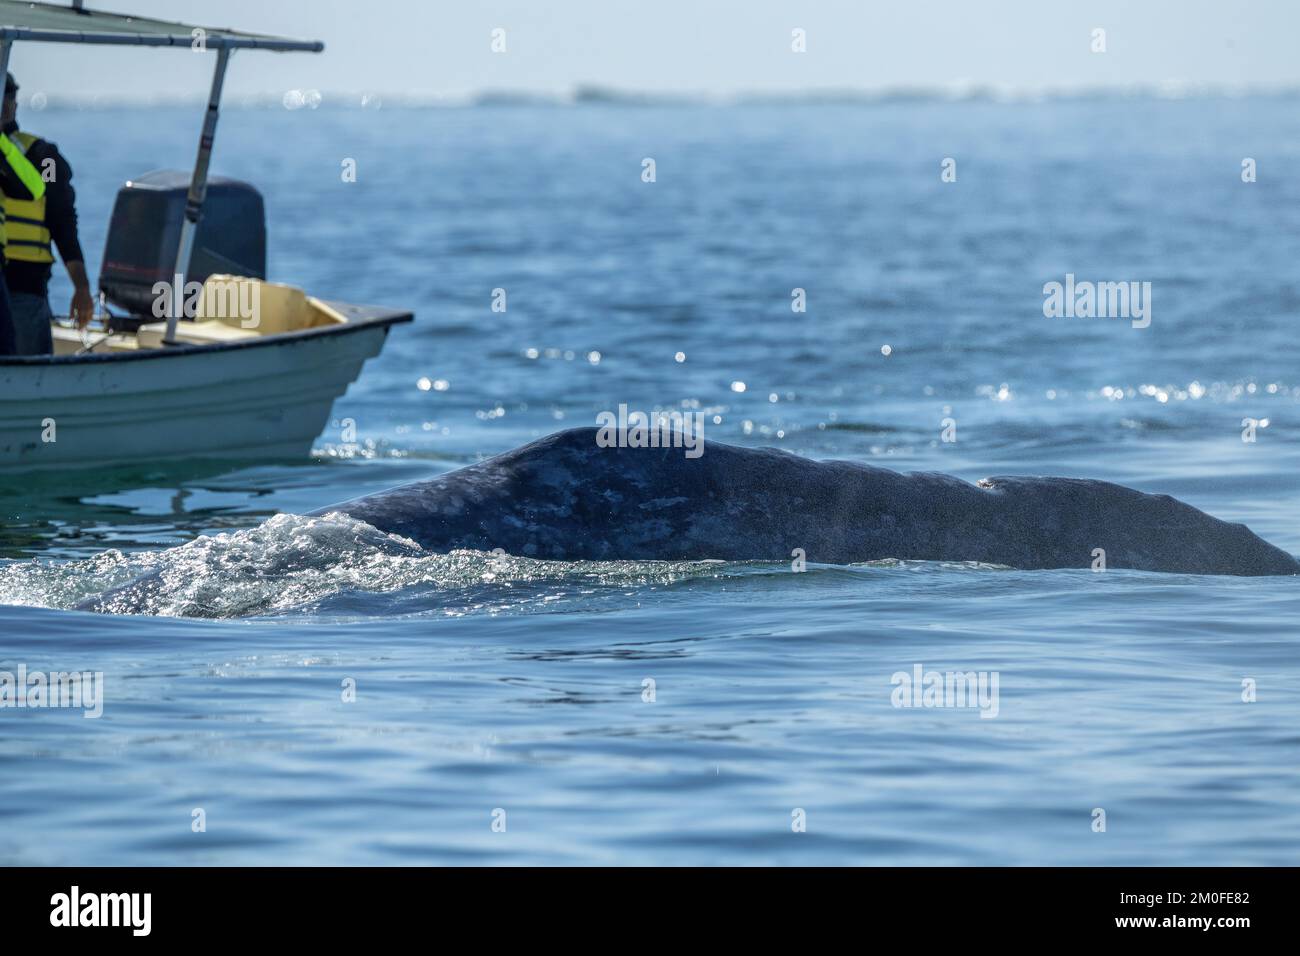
(292, 562)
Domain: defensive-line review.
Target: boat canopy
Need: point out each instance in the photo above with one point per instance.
(58, 23)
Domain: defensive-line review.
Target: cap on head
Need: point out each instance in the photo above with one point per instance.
(11, 85)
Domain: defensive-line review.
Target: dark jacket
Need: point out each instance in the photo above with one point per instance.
(60, 216)
(8, 340)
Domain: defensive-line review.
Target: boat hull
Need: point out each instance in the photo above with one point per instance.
(268, 399)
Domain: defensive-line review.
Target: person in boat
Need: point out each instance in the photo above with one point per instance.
(34, 225)
(19, 178)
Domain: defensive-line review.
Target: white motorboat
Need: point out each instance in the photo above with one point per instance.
(230, 366)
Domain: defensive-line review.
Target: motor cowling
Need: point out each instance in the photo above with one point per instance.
(145, 229)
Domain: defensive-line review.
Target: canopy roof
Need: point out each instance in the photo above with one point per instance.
(60, 23)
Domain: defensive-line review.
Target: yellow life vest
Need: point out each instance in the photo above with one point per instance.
(23, 226)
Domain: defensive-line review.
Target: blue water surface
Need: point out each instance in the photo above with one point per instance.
(519, 692)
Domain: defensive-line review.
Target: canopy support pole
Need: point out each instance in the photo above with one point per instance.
(197, 194)
(5, 46)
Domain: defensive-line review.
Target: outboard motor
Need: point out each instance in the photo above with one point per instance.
(146, 227)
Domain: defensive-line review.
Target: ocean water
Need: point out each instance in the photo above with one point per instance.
(501, 712)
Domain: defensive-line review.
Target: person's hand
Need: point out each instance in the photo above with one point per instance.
(82, 309)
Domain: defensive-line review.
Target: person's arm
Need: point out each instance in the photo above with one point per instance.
(61, 220)
(82, 307)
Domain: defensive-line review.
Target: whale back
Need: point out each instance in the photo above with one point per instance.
(564, 497)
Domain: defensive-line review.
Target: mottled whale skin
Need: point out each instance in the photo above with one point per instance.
(563, 497)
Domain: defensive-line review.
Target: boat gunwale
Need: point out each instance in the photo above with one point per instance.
(372, 316)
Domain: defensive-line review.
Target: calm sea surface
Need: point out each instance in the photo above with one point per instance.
(518, 696)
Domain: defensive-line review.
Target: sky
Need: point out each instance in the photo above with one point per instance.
(430, 48)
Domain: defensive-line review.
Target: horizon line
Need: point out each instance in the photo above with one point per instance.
(596, 94)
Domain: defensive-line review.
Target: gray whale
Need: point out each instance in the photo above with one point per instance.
(563, 497)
